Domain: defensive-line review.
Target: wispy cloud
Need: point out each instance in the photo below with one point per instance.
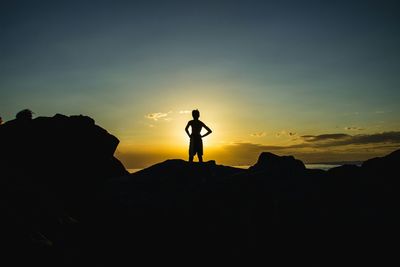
(340, 139)
(258, 134)
(157, 115)
(353, 128)
(285, 134)
(324, 137)
(252, 147)
(184, 111)
(325, 141)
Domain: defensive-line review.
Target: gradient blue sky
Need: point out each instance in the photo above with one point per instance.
(257, 70)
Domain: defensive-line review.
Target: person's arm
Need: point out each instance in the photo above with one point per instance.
(187, 129)
(208, 130)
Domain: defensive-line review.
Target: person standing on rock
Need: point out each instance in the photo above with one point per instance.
(196, 142)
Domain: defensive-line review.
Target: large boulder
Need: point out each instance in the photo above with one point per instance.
(53, 170)
(271, 163)
(59, 147)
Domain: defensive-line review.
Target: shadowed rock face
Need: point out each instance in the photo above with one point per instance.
(59, 145)
(52, 170)
(277, 211)
(62, 156)
(272, 163)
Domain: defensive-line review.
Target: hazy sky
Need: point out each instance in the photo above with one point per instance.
(317, 79)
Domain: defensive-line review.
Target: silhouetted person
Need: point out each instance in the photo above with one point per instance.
(24, 115)
(1, 121)
(196, 143)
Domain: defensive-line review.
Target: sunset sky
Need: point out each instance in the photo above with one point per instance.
(316, 79)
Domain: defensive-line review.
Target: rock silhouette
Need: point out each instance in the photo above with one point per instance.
(274, 164)
(67, 201)
(52, 169)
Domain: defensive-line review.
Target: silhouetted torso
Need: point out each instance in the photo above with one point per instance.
(196, 125)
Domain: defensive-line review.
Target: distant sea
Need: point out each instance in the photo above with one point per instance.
(320, 166)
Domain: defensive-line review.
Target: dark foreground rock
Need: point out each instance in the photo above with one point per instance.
(68, 202)
(277, 211)
(52, 171)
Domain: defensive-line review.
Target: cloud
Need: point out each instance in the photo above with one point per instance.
(324, 142)
(256, 147)
(324, 137)
(258, 134)
(386, 137)
(285, 133)
(341, 139)
(156, 116)
(353, 128)
(184, 111)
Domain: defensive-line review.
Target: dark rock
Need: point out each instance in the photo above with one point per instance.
(384, 166)
(349, 170)
(272, 163)
(59, 146)
(52, 168)
(184, 170)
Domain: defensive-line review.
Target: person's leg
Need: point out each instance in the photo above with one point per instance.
(191, 150)
(200, 150)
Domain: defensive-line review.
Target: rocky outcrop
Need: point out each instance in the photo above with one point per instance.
(272, 163)
(52, 170)
(61, 146)
(275, 208)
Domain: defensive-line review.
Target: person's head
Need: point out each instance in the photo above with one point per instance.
(25, 114)
(195, 114)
